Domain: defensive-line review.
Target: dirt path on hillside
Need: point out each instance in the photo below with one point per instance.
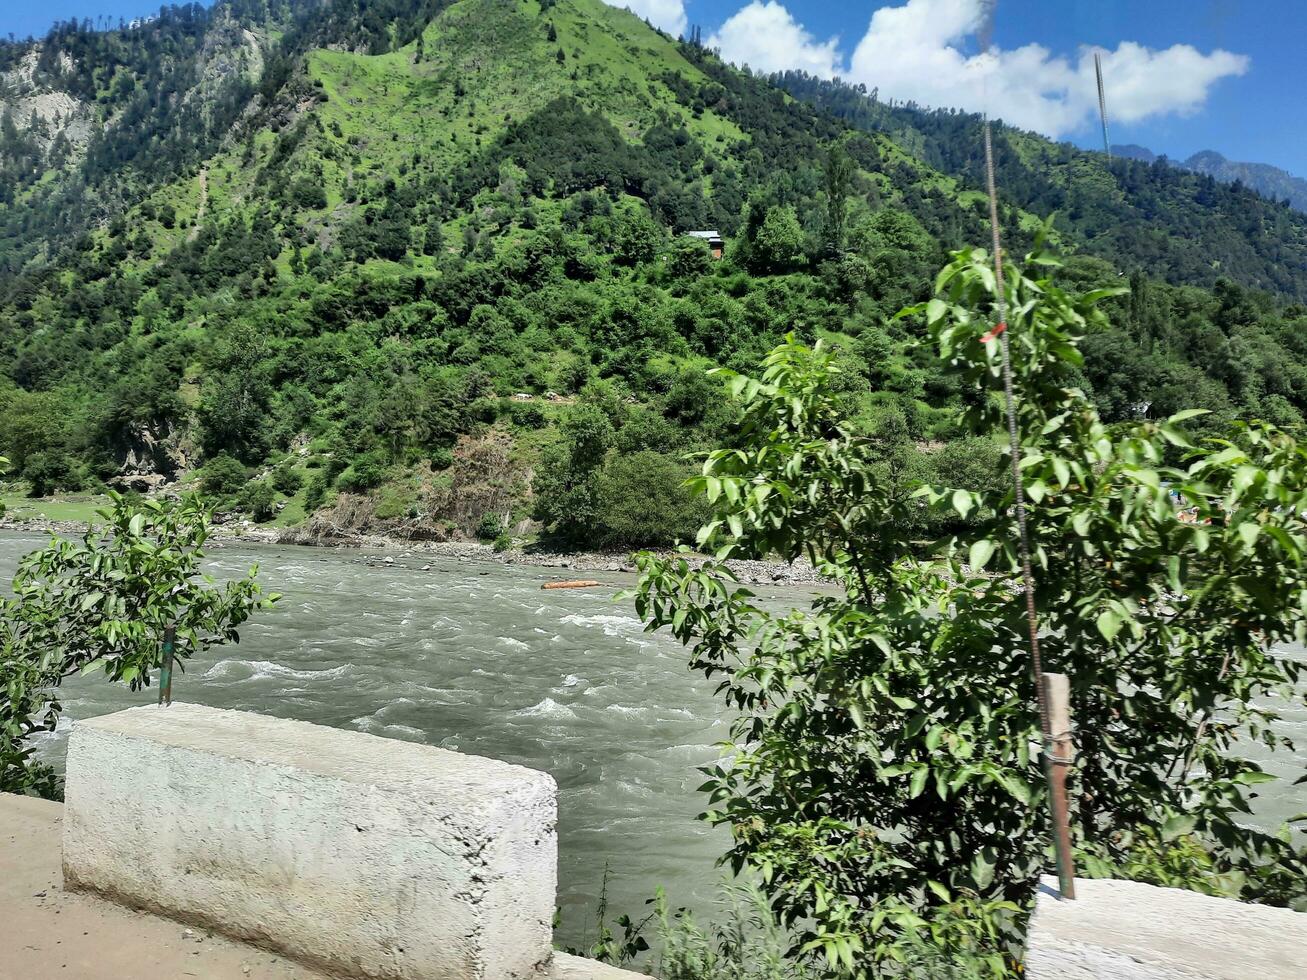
(204, 203)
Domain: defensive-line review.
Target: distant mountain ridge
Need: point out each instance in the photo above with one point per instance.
(1267, 180)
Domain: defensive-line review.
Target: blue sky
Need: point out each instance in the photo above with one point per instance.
(1232, 88)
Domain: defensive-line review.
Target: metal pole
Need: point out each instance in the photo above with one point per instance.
(1059, 754)
(165, 670)
(1102, 105)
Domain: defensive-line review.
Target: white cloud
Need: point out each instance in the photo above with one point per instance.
(767, 38)
(915, 51)
(666, 14)
(911, 52)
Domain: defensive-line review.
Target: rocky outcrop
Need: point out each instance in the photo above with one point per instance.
(148, 456)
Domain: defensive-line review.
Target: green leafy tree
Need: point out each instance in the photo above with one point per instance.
(780, 243)
(566, 492)
(102, 604)
(887, 784)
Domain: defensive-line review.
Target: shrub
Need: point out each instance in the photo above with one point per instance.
(223, 476)
(503, 543)
(367, 471)
(489, 527)
(101, 604)
(286, 480)
(641, 500)
(47, 472)
(316, 493)
(260, 500)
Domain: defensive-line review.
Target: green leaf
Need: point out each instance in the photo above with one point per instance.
(1254, 777)
(918, 781)
(980, 553)
(962, 503)
(1249, 532)
(1177, 825)
(1109, 624)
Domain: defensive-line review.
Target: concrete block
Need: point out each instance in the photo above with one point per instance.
(1124, 930)
(362, 855)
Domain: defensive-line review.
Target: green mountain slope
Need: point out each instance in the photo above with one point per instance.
(420, 266)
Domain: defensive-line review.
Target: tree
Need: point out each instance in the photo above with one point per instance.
(102, 604)
(838, 173)
(641, 501)
(780, 242)
(565, 483)
(233, 410)
(887, 781)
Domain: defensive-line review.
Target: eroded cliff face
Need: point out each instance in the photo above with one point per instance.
(42, 111)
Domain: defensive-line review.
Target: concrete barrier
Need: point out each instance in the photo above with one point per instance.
(362, 855)
(1124, 930)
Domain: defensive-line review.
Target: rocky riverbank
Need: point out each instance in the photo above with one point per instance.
(388, 550)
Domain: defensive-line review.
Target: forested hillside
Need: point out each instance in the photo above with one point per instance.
(420, 266)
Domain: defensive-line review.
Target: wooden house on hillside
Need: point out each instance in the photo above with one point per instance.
(713, 238)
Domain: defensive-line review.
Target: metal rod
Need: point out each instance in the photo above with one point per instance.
(1059, 755)
(1054, 774)
(165, 670)
(1102, 105)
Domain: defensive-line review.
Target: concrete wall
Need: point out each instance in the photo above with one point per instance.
(1123, 930)
(366, 856)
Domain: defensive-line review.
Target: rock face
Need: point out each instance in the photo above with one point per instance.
(148, 456)
(1124, 930)
(361, 855)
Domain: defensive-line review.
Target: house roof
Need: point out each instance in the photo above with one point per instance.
(704, 234)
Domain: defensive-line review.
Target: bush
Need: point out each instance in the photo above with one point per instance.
(489, 527)
(101, 604)
(316, 493)
(260, 500)
(366, 472)
(223, 476)
(642, 501)
(286, 480)
(442, 458)
(503, 543)
(47, 472)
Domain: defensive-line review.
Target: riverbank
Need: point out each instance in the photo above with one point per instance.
(389, 550)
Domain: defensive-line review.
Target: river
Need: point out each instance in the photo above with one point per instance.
(473, 656)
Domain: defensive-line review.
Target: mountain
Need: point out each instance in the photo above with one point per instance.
(1133, 151)
(420, 266)
(1271, 182)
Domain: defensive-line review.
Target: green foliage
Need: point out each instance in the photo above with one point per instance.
(286, 479)
(231, 278)
(367, 471)
(260, 499)
(641, 500)
(102, 604)
(490, 527)
(223, 476)
(887, 781)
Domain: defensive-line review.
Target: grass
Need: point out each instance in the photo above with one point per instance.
(65, 507)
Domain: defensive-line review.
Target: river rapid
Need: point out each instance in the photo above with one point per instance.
(474, 656)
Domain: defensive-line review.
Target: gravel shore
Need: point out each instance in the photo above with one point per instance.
(749, 572)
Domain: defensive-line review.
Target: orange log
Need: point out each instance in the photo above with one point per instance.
(579, 583)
